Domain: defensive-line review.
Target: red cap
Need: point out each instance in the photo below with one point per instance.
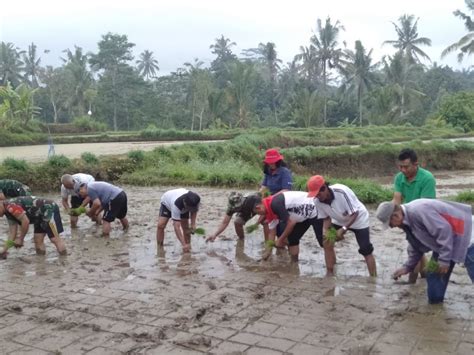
(272, 156)
(314, 185)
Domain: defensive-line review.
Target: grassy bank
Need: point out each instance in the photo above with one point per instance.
(238, 163)
(285, 138)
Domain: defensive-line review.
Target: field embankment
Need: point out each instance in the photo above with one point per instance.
(237, 163)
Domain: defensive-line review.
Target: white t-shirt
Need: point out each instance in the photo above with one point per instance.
(78, 179)
(297, 204)
(345, 204)
(168, 200)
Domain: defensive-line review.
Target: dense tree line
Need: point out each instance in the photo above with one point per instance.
(326, 84)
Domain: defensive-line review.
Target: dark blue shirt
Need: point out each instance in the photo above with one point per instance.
(281, 179)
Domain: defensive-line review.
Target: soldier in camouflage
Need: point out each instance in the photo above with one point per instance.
(244, 207)
(42, 213)
(12, 188)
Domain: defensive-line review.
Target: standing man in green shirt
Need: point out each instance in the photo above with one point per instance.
(412, 183)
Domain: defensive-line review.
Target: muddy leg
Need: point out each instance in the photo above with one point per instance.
(39, 243)
(160, 231)
(239, 229)
(106, 228)
(59, 244)
(125, 224)
(294, 252)
(371, 265)
(74, 220)
(329, 257)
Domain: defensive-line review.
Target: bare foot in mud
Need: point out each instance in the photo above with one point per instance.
(3, 255)
(40, 252)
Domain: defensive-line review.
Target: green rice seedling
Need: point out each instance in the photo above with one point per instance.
(331, 235)
(9, 244)
(200, 231)
(432, 266)
(77, 211)
(269, 244)
(252, 228)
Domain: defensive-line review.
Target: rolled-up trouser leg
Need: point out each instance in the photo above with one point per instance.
(437, 285)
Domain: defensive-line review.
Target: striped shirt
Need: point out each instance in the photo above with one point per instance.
(344, 205)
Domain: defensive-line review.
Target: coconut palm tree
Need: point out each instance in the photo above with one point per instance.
(266, 53)
(400, 73)
(11, 65)
(76, 64)
(32, 65)
(147, 65)
(328, 55)
(466, 44)
(408, 41)
(359, 74)
(224, 57)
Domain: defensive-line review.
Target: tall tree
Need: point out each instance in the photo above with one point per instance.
(359, 74)
(240, 89)
(266, 53)
(400, 75)
(11, 65)
(408, 41)
(465, 45)
(328, 53)
(76, 64)
(307, 64)
(147, 65)
(114, 52)
(32, 65)
(58, 85)
(199, 89)
(222, 48)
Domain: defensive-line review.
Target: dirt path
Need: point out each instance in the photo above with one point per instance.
(118, 296)
(38, 153)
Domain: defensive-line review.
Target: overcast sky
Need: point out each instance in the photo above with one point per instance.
(177, 31)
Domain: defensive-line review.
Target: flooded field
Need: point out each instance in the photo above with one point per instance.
(118, 296)
(38, 153)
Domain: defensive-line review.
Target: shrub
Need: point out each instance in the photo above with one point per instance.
(89, 158)
(59, 161)
(87, 124)
(15, 164)
(137, 156)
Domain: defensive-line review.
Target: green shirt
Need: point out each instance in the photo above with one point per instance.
(422, 186)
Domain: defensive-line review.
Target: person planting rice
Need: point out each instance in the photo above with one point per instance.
(340, 207)
(411, 183)
(109, 198)
(12, 188)
(180, 205)
(70, 186)
(42, 213)
(243, 207)
(294, 212)
(443, 227)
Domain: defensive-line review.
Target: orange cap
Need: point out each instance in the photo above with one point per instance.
(314, 185)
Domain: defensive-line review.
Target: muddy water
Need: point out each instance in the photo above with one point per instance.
(38, 153)
(119, 295)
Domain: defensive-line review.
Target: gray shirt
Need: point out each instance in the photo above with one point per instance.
(78, 180)
(441, 226)
(104, 191)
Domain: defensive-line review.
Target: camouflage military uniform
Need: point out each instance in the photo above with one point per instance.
(241, 205)
(13, 188)
(42, 213)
